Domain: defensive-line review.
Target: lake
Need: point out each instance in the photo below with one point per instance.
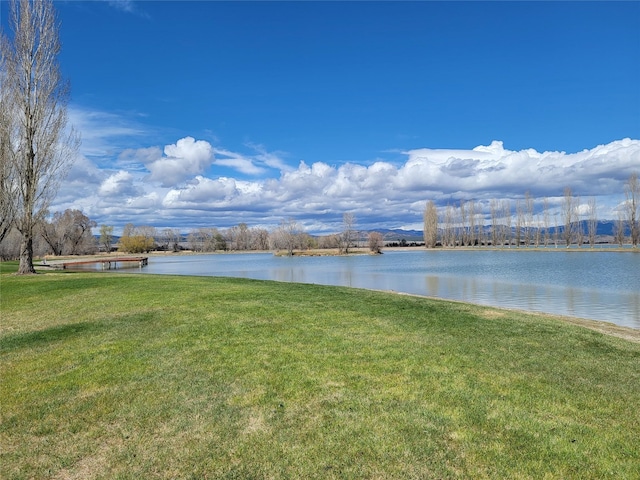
(597, 285)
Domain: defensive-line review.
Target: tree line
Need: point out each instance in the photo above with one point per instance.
(289, 236)
(520, 223)
(72, 233)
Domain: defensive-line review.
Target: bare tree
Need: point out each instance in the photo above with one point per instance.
(471, 211)
(171, 239)
(568, 212)
(106, 237)
(348, 232)
(430, 230)
(287, 236)
(592, 224)
(204, 239)
(239, 237)
(538, 231)
(329, 241)
(376, 242)
(306, 241)
(529, 204)
(36, 96)
(195, 241)
(632, 208)
(137, 239)
(478, 222)
(463, 223)
(519, 221)
(494, 222)
(546, 221)
(449, 235)
(260, 239)
(618, 229)
(70, 233)
(578, 227)
(212, 239)
(506, 227)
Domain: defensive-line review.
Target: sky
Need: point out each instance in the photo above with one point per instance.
(210, 113)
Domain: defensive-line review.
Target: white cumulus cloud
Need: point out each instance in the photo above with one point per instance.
(120, 184)
(181, 160)
(180, 184)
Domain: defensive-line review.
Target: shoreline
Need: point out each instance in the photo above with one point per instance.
(608, 328)
(354, 251)
(628, 333)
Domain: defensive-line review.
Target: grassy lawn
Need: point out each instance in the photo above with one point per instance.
(141, 376)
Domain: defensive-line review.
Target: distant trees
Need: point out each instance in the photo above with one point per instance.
(36, 148)
(206, 240)
(239, 237)
(575, 222)
(137, 239)
(546, 221)
(171, 239)
(260, 239)
(462, 228)
(592, 223)
(287, 236)
(468, 226)
(348, 232)
(329, 241)
(529, 213)
(506, 227)
(500, 222)
(243, 237)
(70, 233)
(376, 242)
(495, 208)
(106, 237)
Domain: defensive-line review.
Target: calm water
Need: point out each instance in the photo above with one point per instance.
(595, 285)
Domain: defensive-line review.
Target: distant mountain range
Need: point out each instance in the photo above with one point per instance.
(398, 234)
(604, 228)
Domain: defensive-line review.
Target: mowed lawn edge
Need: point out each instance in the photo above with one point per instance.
(131, 376)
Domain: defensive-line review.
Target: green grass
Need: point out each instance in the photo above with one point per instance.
(141, 376)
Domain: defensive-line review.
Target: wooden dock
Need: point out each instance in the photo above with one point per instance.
(107, 263)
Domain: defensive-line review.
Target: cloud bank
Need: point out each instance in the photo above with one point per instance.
(192, 183)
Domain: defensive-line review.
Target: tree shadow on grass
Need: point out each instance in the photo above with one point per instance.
(59, 333)
(62, 333)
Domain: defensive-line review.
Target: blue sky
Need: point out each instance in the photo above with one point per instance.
(214, 113)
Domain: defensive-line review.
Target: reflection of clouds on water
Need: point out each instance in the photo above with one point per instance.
(595, 285)
(622, 308)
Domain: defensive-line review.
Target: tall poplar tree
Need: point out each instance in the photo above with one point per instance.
(430, 230)
(568, 212)
(632, 207)
(40, 149)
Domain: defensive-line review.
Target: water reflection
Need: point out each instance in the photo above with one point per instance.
(618, 307)
(596, 285)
